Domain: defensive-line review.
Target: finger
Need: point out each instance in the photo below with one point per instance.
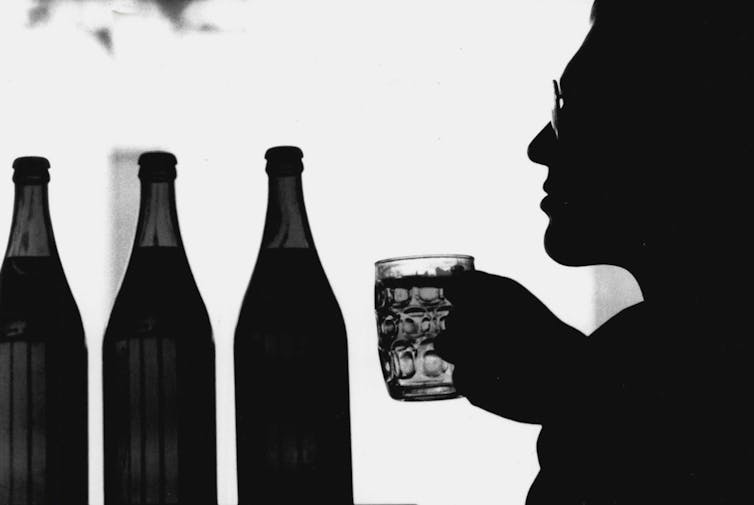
(447, 345)
(459, 285)
(465, 380)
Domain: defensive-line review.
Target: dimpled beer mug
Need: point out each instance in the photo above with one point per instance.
(411, 309)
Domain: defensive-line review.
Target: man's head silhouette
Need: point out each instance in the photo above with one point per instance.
(647, 158)
(649, 136)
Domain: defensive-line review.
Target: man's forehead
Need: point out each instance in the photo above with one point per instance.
(603, 62)
(582, 68)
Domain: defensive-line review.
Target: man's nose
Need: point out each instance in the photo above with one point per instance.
(542, 147)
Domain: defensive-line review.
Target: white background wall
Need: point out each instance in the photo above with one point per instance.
(414, 118)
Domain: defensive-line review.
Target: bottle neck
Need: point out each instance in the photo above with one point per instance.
(31, 230)
(158, 218)
(286, 225)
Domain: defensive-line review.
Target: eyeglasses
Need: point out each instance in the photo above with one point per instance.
(557, 110)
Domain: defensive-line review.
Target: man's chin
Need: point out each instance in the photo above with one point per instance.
(572, 248)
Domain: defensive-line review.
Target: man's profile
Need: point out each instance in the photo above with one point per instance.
(650, 134)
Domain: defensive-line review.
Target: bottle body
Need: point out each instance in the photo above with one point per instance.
(292, 399)
(291, 363)
(159, 375)
(159, 398)
(43, 365)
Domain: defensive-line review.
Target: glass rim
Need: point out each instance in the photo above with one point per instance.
(423, 256)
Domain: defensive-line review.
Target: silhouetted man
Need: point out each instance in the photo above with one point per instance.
(647, 155)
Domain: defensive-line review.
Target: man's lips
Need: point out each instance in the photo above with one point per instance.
(556, 196)
(547, 186)
(548, 204)
(552, 201)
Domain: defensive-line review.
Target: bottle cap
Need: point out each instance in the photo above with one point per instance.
(157, 166)
(31, 169)
(284, 160)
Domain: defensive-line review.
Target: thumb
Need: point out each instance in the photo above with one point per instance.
(459, 286)
(448, 343)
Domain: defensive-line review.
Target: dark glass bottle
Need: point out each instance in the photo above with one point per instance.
(43, 360)
(159, 364)
(291, 362)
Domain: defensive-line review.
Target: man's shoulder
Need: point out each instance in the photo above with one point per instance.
(638, 315)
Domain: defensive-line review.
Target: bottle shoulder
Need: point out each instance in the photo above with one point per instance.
(283, 269)
(158, 274)
(36, 302)
(158, 295)
(35, 284)
(294, 275)
(149, 305)
(296, 311)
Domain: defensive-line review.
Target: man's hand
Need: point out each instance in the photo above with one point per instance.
(512, 355)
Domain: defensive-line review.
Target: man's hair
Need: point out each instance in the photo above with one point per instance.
(695, 69)
(700, 49)
(709, 34)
